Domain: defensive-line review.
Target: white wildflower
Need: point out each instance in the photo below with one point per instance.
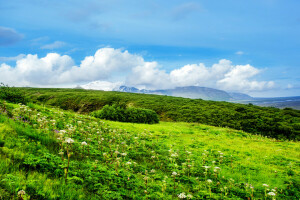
(69, 140)
(265, 185)
(271, 194)
(182, 196)
(174, 173)
(21, 192)
(83, 143)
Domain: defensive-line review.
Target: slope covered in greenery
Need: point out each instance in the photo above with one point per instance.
(272, 122)
(48, 153)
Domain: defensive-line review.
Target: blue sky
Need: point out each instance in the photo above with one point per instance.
(260, 39)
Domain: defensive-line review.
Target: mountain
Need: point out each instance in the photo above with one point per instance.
(192, 92)
(195, 92)
(240, 96)
(102, 85)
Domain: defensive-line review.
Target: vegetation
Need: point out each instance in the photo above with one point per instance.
(267, 121)
(47, 153)
(12, 94)
(135, 115)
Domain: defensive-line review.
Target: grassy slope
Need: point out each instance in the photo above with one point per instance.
(29, 160)
(256, 158)
(272, 122)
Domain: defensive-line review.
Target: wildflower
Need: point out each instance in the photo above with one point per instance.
(271, 194)
(124, 154)
(21, 192)
(152, 157)
(174, 173)
(146, 178)
(152, 171)
(209, 181)
(206, 167)
(83, 143)
(189, 196)
(182, 196)
(265, 185)
(128, 163)
(69, 141)
(174, 155)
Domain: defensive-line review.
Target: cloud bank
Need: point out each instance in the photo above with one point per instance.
(109, 64)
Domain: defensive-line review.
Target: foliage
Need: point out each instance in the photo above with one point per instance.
(12, 94)
(48, 153)
(267, 121)
(134, 115)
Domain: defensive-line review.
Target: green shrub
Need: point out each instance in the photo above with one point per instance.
(12, 94)
(135, 115)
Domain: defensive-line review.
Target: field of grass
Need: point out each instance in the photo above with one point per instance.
(48, 153)
(272, 122)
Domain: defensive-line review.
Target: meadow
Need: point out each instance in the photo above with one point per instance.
(268, 121)
(50, 153)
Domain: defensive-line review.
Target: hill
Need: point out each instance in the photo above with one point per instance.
(48, 153)
(267, 121)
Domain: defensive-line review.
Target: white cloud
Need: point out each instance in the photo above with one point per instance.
(238, 79)
(13, 58)
(239, 53)
(149, 76)
(109, 64)
(54, 45)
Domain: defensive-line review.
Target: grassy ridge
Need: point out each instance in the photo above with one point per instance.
(114, 160)
(267, 121)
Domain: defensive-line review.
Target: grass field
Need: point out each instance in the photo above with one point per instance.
(54, 154)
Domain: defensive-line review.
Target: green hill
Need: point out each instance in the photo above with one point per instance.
(267, 121)
(47, 153)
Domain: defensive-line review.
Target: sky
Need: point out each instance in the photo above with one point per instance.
(251, 47)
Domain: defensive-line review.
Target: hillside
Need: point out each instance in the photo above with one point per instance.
(267, 121)
(48, 153)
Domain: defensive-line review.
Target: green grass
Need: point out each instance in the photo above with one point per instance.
(268, 121)
(30, 159)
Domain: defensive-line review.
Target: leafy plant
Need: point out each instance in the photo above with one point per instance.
(121, 114)
(12, 94)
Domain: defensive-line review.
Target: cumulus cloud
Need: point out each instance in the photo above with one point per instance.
(9, 36)
(149, 76)
(54, 45)
(109, 64)
(238, 79)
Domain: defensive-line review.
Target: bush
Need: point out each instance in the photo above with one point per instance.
(12, 94)
(121, 114)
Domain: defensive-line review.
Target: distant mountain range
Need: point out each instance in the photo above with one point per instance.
(192, 92)
(205, 93)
